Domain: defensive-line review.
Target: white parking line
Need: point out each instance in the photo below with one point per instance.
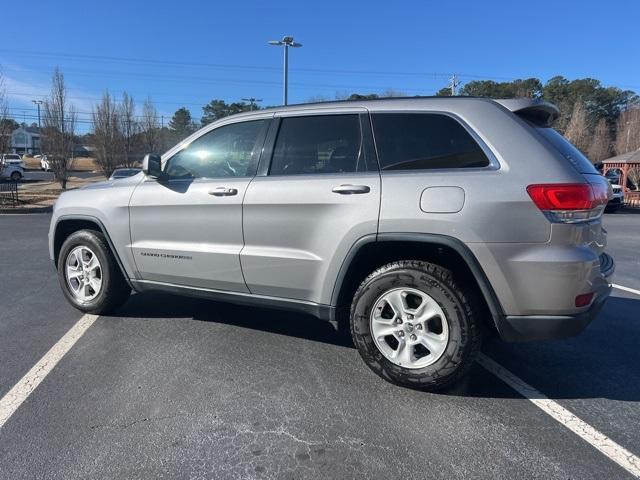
(604, 444)
(27, 384)
(626, 289)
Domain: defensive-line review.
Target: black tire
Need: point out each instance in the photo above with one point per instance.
(464, 329)
(114, 291)
(16, 176)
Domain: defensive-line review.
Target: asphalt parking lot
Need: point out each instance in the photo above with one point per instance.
(183, 388)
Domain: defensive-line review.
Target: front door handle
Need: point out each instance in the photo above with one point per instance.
(223, 191)
(351, 189)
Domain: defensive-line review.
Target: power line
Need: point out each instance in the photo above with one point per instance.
(200, 65)
(225, 80)
(139, 60)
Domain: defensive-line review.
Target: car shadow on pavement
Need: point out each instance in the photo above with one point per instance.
(602, 362)
(163, 305)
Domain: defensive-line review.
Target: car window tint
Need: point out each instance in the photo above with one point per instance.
(419, 141)
(228, 151)
(568, 150)
(318, 144)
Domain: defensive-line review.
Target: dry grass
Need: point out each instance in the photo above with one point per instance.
(84, 164)
(31, 162)
(79, 163)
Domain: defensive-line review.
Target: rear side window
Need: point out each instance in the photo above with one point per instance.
(318, 144)
(568, 151)
(423, 141)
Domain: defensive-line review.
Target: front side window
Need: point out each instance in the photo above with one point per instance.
(318, 144)
(228, 151)
(423, 141)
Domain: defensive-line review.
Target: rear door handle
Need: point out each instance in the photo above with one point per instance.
(223, 191)
(351, 189)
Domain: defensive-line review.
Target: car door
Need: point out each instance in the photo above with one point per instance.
(318, 194)
(186, 226)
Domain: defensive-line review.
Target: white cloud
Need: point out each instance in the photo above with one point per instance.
(23, 85)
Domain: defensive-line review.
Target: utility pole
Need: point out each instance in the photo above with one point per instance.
(252, 102)
(286, 42)
(38, 103)
(454, 84)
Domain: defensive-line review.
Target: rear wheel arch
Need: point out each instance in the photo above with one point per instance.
(372, 252)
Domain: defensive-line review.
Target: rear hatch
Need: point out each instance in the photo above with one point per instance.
(586, 223)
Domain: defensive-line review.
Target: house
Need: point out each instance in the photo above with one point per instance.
(25, 139)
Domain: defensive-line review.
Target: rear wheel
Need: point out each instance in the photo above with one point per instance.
(414, 326)
(16, 176)
(88, 274)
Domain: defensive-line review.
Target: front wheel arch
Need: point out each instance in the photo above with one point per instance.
(67, 225)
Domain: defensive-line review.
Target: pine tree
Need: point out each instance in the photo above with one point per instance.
(181, 125)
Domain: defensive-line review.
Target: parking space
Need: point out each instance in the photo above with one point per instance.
(184, 388)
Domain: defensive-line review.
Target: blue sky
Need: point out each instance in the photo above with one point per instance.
(187, 53)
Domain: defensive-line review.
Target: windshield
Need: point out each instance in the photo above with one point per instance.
(568, 151)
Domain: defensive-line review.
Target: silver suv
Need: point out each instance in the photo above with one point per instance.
(420, 223)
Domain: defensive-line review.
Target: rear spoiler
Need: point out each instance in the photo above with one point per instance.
(539, 112)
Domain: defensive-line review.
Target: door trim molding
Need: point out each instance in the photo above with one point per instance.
(318, 310)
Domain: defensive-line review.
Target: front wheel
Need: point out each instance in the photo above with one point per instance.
(16, 176)
(88, 274)
(414, 326)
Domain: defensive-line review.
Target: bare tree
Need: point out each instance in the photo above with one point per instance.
(59, 122)
(129, 128)
(601, 144)
(628, 131)
(108, 140)
(150, 126)
(577, 131)
(6, 125)
(634, 177)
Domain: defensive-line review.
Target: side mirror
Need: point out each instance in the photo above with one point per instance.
(152, 165)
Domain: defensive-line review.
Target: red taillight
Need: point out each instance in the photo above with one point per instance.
(569, 202)
(584, 299)
(566, 196)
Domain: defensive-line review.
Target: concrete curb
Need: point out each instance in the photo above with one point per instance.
(23, 210)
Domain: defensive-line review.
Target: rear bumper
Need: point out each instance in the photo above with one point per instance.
(520, 328)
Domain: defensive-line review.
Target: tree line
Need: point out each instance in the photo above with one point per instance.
(600, 121)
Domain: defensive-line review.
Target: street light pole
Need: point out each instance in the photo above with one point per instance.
(38, 103)
(285, 80)
(286, 42)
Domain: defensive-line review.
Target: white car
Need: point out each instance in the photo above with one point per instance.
(14, 172)
(12, 159)
(616, 202)
(44, 163)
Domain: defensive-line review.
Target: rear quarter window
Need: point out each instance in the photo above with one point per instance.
(424, 141)
(568, 151)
